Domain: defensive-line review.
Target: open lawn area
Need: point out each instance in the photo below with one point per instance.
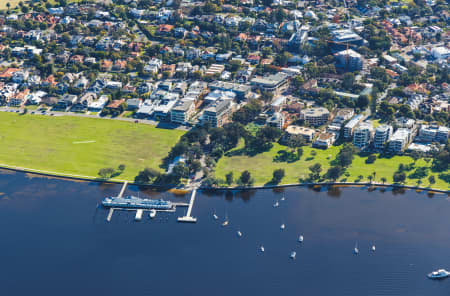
(13, 4)
(261, 166)
(82, 146)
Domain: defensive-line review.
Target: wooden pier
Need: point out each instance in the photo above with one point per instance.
(188, 217)
(123, 189)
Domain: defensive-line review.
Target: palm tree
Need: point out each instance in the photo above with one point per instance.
(419, 182)
(360, 177)
(370, 178)
(383, 179)
(374, 174)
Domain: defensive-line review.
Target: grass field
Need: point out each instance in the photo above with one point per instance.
(82, 146)
(262, 166)
(13, 4)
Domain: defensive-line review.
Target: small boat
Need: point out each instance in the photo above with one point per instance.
(215, 216)
(239, 234)
(138, 216)
(152, 213)
(356, 250)
(300, 239)
(438, 274)
(282, 227)
(225, 223)
(283, 198)
(293, 254)
(261, 248)
(373, 248)
(276, 204)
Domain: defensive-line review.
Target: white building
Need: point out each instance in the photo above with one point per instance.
(382, 135)
(315, 116)
(362, 135)
(433, 133)
(399, 140)
(440, 52)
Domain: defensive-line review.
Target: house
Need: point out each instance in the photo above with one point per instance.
(106, 65)
(324, 140)
(66, 101)
(134, 104)
(115, 106)
(97, 106)
(276, 120)
(83, 102)
(19, 99)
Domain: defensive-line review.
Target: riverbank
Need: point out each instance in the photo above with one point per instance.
(184, 190)
(262, 165)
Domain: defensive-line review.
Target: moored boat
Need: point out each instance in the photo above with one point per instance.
(438, 274)
(136, 203)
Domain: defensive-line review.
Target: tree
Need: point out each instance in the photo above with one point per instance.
(147, 176)
(246, 178)
(296, 141)
(334, 172)
(370, 177)
(299, 152)
(431, 179)
(348, 80)
(415, 155)
(106, 173)
(399, 177)
(346, 155)
(229, 178)
(315, 170)
(121, 167)
(383, 179)
(362, 102)
(278, 175)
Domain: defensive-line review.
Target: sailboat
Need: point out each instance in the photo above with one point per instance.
(215, 216)
(239, 233)
(300, 239)
(373, 248)
(261, 248)
(282, 227)
(356, 250)
(276, 204)
(225, 223)
(293, 254)
(283, 198)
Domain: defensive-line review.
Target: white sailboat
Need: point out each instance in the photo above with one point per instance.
(261, 248)
(283, 198)
(373, 248)
(225, 223)
(356, 250)
(293, 254)
(282, 227)
(276, 204)
(239, 233)
(300, 239)
(215, 216)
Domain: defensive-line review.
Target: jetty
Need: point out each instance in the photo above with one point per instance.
(134, 204)
(188, 217)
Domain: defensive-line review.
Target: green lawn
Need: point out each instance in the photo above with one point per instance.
(82, 146)
(262, 166)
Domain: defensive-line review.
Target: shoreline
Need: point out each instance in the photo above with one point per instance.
(76, 177)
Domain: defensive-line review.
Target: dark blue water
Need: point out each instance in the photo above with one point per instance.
(55, 241)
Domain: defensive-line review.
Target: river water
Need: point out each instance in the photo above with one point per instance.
(55, 241)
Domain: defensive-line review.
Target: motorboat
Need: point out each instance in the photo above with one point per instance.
(438, 274)
(261, 248)
(276, 204)
(239, 233)
(373, 248)
(300, 239)
(282, 227)
(293, 254)
(356, 250)
(152, 213)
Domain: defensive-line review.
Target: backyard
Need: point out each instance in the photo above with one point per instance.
(82, 146)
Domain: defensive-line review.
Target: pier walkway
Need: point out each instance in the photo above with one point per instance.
(188, 217)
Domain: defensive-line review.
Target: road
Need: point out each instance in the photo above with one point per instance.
(158, 124)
